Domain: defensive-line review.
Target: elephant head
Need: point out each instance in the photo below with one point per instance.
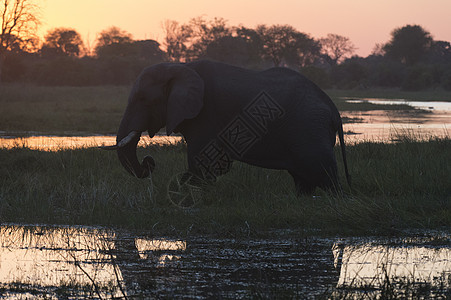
(163, 95)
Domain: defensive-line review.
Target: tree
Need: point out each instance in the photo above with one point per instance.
(62, 42)
(149, 50)
(186, 42)
(254, 43)
(113, 40)
(284, 45)
(440, 53)
(229, 49)
(19, 23)
(378, 49)
(336, 48)
(176, 40)
(409, 44)
(204, 33)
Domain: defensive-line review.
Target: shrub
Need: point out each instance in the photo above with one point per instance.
(446, 80)
(350, 74)
(318, 75)
(418, 78)
(388, 74)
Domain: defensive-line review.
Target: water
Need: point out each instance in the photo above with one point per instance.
(426, 105)
(77, 262)
(58, 262)
(431, 119)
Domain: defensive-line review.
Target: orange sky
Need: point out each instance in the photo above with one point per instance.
(365, 22)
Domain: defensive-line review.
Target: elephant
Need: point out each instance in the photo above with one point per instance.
(276, 119)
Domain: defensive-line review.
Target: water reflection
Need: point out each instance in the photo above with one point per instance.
(103, 263)
(429, 119)
(99, 261)
(418, 262)
(426, 105)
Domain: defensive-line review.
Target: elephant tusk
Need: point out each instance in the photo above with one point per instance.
(132, 135)
(122, 143)
(112, 147)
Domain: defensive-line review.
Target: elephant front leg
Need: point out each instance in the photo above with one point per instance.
(210, 162)
(186, 190)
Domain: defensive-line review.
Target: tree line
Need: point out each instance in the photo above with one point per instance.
(411, 59)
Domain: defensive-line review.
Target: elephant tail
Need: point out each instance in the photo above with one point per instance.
(343, 151)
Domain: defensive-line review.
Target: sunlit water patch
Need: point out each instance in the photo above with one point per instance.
(426, 105)
(428, 119)
(79, 262)
(402, 267)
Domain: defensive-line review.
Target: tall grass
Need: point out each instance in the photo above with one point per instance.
(395, 186)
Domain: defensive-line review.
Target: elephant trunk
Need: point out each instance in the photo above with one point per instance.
(126, 151)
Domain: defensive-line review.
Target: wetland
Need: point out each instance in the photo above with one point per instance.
(103, 234)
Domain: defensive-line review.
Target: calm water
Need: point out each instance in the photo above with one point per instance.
(103, 263)
(429, 119)
(432, 119)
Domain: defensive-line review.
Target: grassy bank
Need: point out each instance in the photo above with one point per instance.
(62, 110)
(340, 96)
(395, 186)
(426, 95)
(87, 110)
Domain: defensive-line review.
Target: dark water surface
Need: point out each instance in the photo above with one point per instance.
(87, 262)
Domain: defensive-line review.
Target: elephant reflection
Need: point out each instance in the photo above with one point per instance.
(143, 267)
(223, 267)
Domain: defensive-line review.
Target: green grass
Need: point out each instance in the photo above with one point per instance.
(395, 186)
(62, 110)
(400, 185)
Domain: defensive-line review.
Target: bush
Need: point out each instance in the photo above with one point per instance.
(318, 75)
(388, 74)
(120, 70)
(69, 71)
(418, 78)
(15, 67)
(446, 79)
(62, 71)
(349, 75)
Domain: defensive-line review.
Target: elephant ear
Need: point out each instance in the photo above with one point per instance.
(186, 96)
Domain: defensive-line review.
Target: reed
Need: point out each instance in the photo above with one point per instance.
(396, 186)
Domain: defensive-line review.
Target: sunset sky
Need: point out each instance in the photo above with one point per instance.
(365, 22)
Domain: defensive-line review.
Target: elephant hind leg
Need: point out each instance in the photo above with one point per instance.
(303, 185)
(316, 171)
